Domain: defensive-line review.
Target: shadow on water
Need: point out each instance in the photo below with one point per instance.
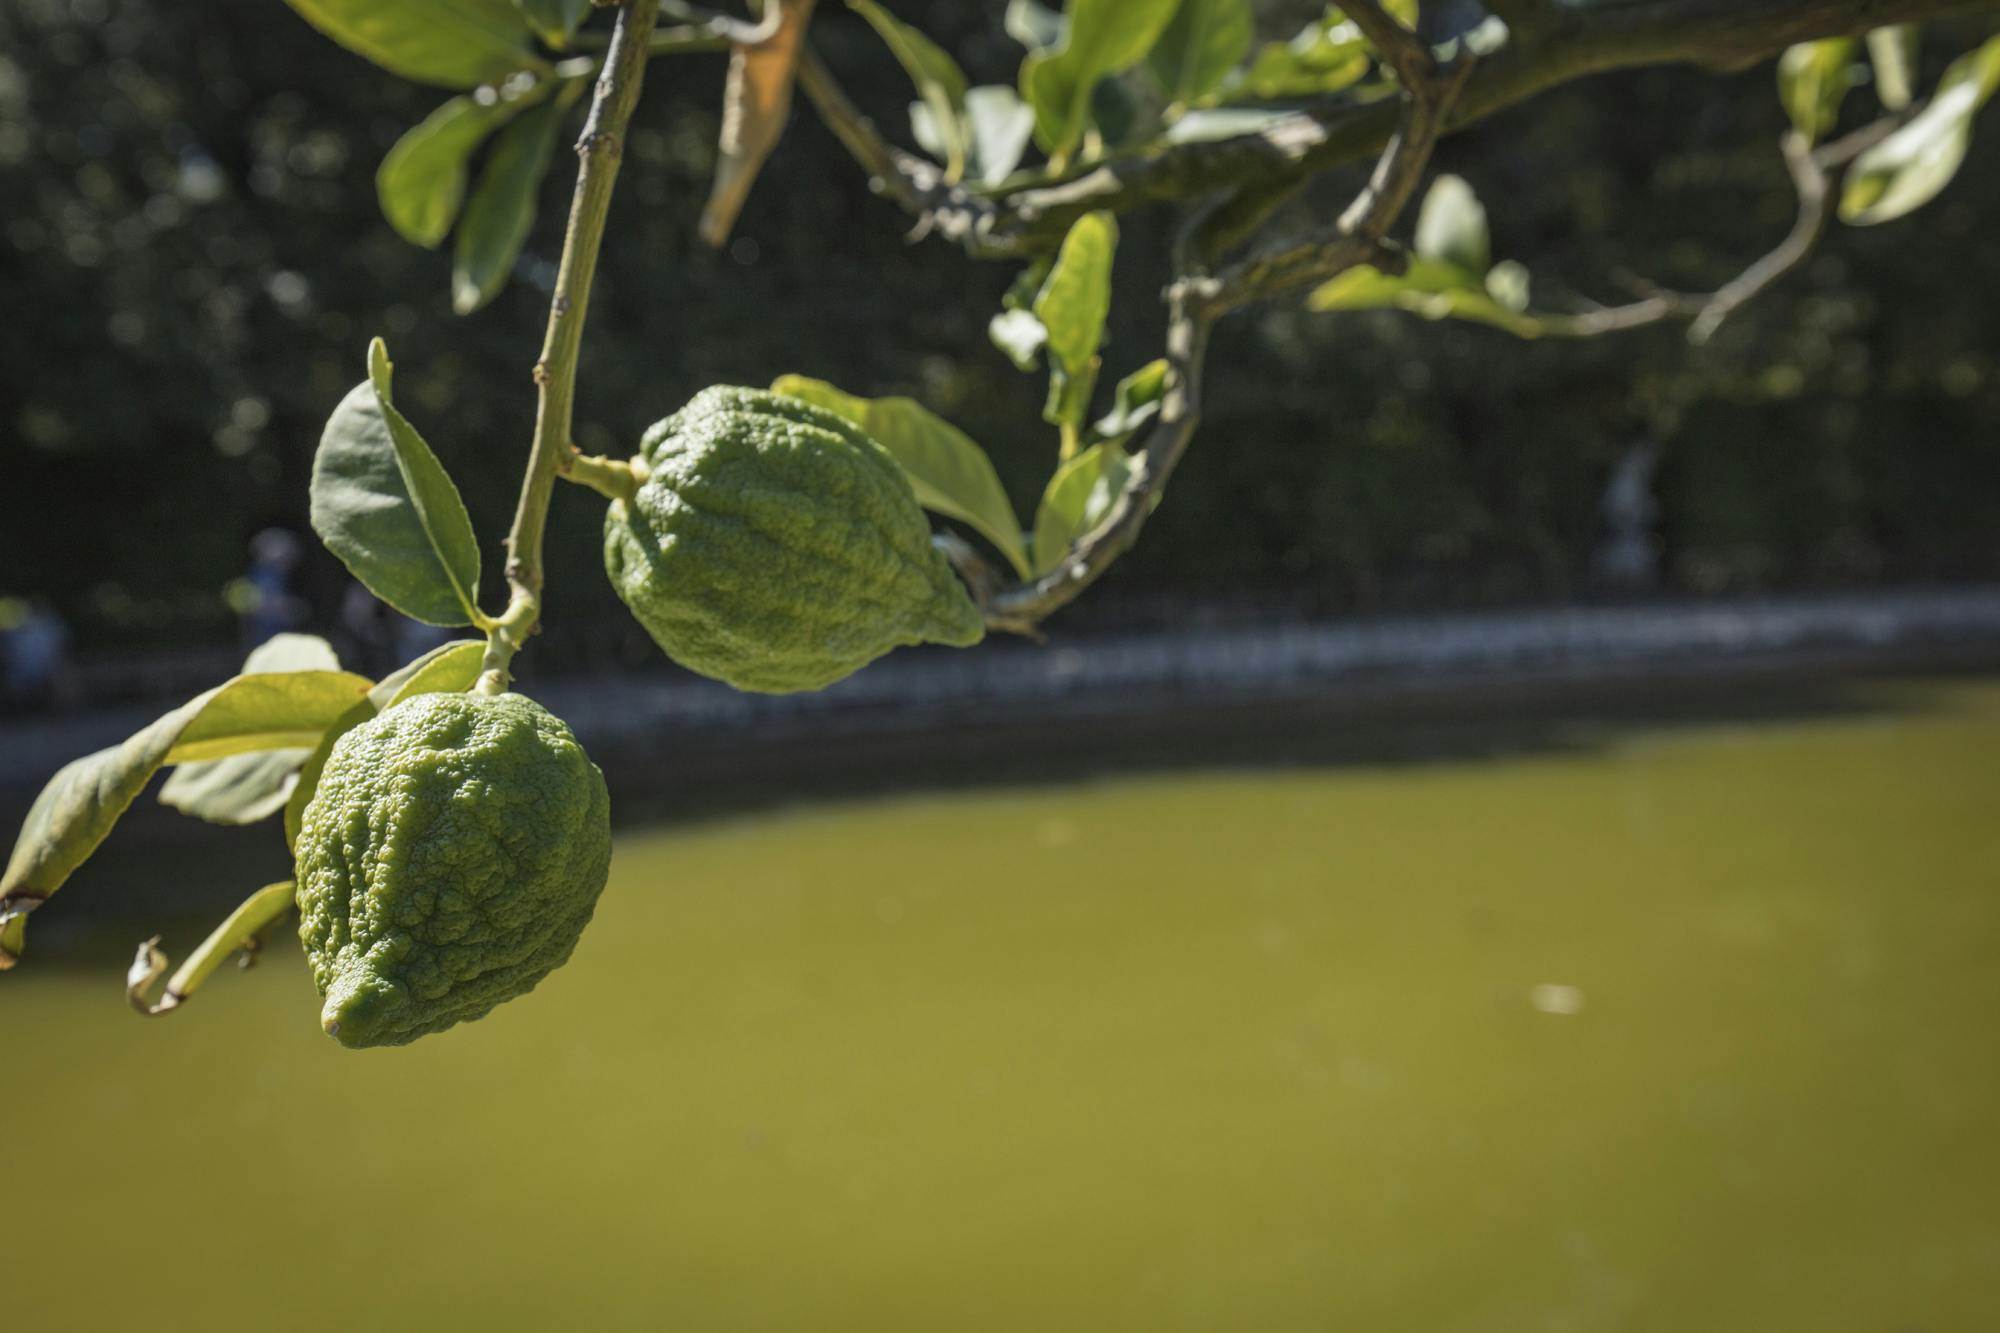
(162, 872)
(1374, 725)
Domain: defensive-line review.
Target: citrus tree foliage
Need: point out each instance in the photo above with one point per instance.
(451, 837)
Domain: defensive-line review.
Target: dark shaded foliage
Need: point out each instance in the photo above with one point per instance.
(192, 262)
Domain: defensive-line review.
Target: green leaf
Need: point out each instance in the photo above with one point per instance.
(1204, 41)
(1327, 56)
(1893, 52)
(950, 474)
(267, 711)
(1136, 402)
(1068, 401)
(450, 43)
(1433, 289)
(1081, 492)
(998, 124)
(502, 210)
(1209, 124)
(938, 79)
(1073, 305)
(383, 504)
(1451, 226)
(1015, 330)
(242, 789)
(1076, 299)
(1101, 38)
(1115, 114)
(421, 183)
(1813, 79)
(81, 803)
(239, 930)
(1910, 167)
(554, 21)
(1507, 282)
(1001, 125)
(452, 668)
(245, 788)
(1033, 24)
(1020, 336)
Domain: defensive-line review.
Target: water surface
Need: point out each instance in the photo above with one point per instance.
(1695, 1030)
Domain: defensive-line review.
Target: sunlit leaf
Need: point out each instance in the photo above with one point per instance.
(1433, 289)
(451, 668)
(81, 803)
(1451, 226)
(1100, 38)
(450, 43)
(1202, 43)
(1002, 125)
(1033, 24)
(1202, 126)
(938, 80)
(1326, 56)
(1080, 493)
(1073, 305)
(384, 505)
(998, 124)
(421, 183)
(1813, 79)
(1076, 299)
(1136, 402)
(239, 932)
(502, 210)
(1893, 52)
(245, 788)
(950, 474)
(1910, 167)
(1508, 283)
(1019, 336)
(756, 101)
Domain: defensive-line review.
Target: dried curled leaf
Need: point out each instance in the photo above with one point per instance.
(755, 105)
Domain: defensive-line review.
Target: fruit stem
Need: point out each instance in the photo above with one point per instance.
(600, 148)
(612, 478)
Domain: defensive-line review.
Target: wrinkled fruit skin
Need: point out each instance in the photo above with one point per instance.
(776, 547)
(449, 858)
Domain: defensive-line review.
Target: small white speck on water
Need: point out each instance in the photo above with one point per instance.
(1553, 998)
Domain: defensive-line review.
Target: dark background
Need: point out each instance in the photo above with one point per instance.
(192, 263)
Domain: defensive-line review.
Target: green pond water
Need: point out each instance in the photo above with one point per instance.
(1689, 1029)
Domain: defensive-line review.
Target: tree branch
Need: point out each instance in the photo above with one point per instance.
(1195, 302)
(1400, 49)
(916, 184)
(1814, 175)
(600, 149)
(1357, 237)
(1022, 607)
(1608, 36)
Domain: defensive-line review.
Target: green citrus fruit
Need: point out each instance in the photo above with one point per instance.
(449, 858)
(774, 546)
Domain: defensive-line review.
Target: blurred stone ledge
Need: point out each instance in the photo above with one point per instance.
(1005, 679)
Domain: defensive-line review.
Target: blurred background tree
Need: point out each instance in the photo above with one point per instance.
(193, 259)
